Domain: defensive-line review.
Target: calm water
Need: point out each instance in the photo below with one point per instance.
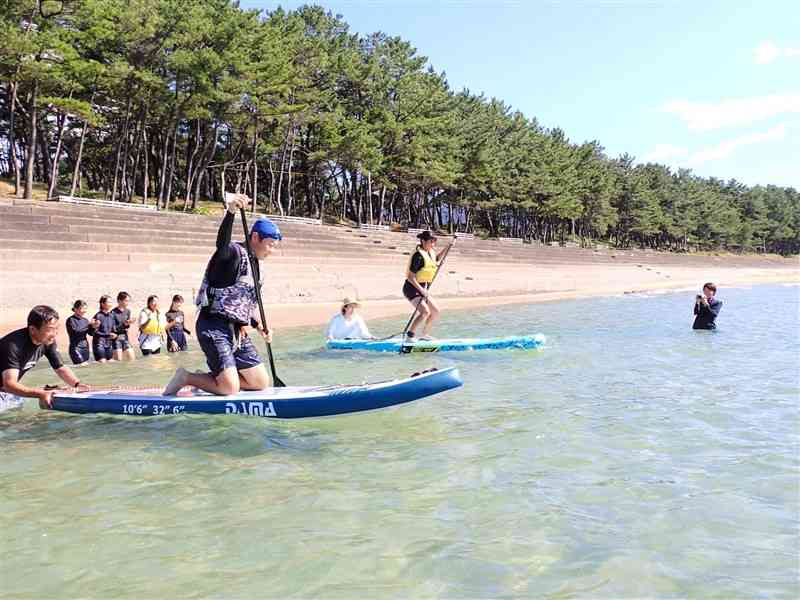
(631, 457)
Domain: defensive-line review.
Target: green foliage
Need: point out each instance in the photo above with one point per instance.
(182, 99)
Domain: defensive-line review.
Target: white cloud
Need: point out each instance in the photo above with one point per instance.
(769, 51)
(706, 116)
(665, 153)
(783, 176)
(728, 147)
(678, 156)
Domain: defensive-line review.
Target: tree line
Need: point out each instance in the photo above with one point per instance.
(175, 101)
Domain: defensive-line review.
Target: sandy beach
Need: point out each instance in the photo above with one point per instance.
(586, 281)
(85, 252)
(459, 288)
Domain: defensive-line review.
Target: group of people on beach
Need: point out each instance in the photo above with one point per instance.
(229, 307)
(110, 329)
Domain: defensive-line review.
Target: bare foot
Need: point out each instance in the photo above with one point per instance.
(176, 383)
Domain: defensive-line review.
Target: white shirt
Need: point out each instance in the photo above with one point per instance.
(150, 342)
(340, 328)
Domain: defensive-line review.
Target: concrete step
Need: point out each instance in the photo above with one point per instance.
(155, 250)
(53, 256)
(22, 246)
(82, 211)
(118, 235)
(48, 233)
(9, 239)
(11, 221)
(120, 227)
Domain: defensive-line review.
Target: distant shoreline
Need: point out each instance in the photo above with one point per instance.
(309, 315)
(558, 282)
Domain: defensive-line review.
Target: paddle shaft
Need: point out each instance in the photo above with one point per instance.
(276, 382)
(438, 270)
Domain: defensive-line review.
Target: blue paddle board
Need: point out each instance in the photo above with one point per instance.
(397, 344)
(276, 403)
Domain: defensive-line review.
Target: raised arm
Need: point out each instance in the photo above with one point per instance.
(225, 231)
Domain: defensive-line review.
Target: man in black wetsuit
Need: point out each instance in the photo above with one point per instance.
(227, 305)
(20, 350)
(706, 308)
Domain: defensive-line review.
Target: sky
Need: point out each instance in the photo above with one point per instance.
(713, 86)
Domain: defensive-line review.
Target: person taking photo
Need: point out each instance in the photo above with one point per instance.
(706, 308)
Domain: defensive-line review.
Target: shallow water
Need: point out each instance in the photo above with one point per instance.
(631, 457)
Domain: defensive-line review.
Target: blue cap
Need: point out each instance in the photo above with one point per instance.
(266, 229)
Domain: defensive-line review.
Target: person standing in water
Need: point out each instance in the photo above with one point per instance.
(706, 308)
(78, 326)
(176, 328)
(152, 327)
(122, 322)
(420, 273)
(228, 304)
(103, 331)
(20, 350)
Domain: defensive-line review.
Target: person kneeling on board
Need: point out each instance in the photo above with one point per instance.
(347, 325)
(20, 350)
(227, 303)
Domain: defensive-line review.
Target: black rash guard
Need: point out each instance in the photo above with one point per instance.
(107, 325)
(706, 315)
(77, 328)
(17, 351)
(224, 264)
(120, 316)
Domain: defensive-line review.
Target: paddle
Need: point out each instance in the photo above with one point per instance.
(404, 348)
(251, 257)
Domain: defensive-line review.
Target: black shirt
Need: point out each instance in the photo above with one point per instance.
(706, 315)
(178, 318)
(120, 316)
(223, 268)
(107, 325)
(17, 351)
(77, 328)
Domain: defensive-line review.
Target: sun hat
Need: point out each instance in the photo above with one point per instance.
(347, 302)
(266, 229)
